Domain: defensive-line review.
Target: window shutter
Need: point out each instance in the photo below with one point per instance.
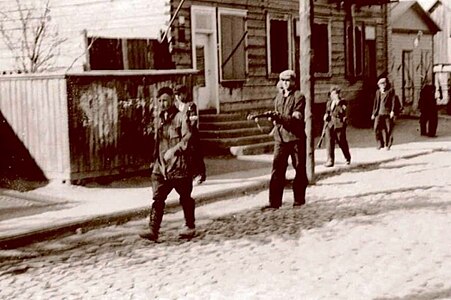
(233, 55)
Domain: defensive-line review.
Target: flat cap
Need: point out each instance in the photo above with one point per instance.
(382, 80)
(180, 88)
(334, 88)
(287, 74)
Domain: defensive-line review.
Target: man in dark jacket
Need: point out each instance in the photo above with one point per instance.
(171, 168)
(189, 108)
(428, 111)
(290, 138)
(335, 126)
(383, 114)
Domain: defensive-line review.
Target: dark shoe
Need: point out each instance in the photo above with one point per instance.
(348, 162)
(298, 204)
(269, 207)
(149, 236)
(329, 164)
(187, 233)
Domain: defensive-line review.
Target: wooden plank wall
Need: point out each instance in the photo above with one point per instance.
(259, 88)
(110, 123)
(35, 109)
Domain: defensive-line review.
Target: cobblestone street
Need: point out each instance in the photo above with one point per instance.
(377, 233)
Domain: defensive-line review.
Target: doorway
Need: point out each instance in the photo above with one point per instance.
(205, 57)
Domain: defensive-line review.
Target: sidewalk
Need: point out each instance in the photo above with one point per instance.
(57, 209)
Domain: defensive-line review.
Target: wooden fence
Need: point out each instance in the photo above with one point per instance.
(85, 125)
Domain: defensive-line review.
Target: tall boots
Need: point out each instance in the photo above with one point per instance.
(156, 216)
(189, 231)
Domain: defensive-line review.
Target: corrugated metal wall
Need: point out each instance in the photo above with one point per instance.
(35, 108)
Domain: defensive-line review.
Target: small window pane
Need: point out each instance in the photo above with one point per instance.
(279, 54)
(320, 46)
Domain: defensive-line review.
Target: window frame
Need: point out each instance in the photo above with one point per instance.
(283, 17)
(328, 22)
(351, 74)
(238, 13)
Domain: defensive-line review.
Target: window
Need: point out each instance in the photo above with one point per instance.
(128, 54)
(321, 49)
(105, 54)
(232, 25)
(279, 48)
(355, 38)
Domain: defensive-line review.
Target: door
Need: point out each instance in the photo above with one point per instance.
(205, 57)
(204, 64)
(407, 77)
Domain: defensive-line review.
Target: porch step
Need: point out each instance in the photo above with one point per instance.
(233, 133)
(253, 149)
(220, 133)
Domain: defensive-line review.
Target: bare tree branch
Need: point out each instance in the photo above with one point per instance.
(81, 54)
(37, 45)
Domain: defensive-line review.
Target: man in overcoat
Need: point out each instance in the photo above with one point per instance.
(383, 114)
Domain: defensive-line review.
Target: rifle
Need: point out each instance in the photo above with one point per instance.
(323, 134)
(267, 114)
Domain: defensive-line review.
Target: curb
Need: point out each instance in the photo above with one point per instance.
(89, 223)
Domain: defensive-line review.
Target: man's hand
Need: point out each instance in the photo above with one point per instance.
(392, 115)
(168, 155)
(372, 117)
(275, 118)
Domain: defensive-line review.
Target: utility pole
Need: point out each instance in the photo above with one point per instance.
(306, 79)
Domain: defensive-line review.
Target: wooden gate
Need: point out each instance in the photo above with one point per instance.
(408, 86)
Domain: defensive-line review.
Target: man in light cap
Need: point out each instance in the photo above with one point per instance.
(290, 138)
(383, 114)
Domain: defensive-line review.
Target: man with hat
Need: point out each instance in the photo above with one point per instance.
(383, 114)
(171, 168)
(336, 122)
(290, 141)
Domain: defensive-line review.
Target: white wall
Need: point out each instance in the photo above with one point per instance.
(106, 18)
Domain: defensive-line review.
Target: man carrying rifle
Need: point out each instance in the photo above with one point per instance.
(335, 122)
(290, 138)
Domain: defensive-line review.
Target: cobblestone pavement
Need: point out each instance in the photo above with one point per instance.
(378, 233)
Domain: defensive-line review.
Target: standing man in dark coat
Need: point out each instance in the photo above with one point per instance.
(336, 122)
(428, 111)
(383, 114)
(171, 168)
(290, 138)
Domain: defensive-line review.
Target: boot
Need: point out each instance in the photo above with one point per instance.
(156, 216)
(189, 212)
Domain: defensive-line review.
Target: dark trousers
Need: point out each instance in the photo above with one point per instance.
(184, 186)
(383, 126)
(428, 123)
(337, 135)
(282, 151)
